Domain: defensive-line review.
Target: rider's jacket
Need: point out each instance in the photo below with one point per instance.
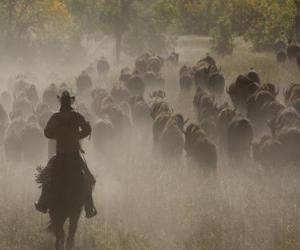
(67, 128)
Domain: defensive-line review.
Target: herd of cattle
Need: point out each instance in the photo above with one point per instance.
(253, 124)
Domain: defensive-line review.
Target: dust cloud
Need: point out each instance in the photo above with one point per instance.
(145, 202)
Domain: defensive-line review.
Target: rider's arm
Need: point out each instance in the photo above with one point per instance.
(51, 129)
(85, 127)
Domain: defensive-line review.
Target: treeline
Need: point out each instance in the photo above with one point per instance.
(259, 21)
(54, 28)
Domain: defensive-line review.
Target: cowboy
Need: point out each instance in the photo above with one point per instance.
(67, 128)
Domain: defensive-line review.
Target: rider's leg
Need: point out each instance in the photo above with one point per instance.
(89, 206)
(42, 204)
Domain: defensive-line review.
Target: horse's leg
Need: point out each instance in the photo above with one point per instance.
(58, 222)
(72, 230)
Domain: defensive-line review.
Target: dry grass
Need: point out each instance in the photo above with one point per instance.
(144, 204)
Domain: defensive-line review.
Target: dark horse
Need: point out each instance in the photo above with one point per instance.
(66, 181)
(66, 197)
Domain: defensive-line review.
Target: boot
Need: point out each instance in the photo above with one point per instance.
(39, 206)
(89, 207)
(42, 205)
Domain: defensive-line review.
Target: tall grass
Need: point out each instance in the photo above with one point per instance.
(145, 203)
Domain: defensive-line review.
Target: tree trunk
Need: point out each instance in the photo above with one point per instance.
(297, 22)
(209, 14)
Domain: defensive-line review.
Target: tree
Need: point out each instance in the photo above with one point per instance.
(272, 19)
(27, 20)
(223, 36)
(152, 28)
(115, 18)
(297, 20)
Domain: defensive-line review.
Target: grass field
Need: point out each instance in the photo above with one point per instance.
(145, 205)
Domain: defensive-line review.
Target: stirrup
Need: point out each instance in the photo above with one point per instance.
(90, 213)
(40, 208)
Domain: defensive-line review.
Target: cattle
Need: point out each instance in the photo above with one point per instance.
(268, 152)
(157, 95)
(239, 138)
(185, 70)
(205, 75)
(135, 85)
(207, 60)
(103, 67)
(170, 143)
(114, 114)
(173, 58)
(155, 64)
(224, 119)
(19, 87)
(281, 56)
(282, 146)
(255, 104)
(140, 110)
(205, 105)
(241, 90)
(120, 94)
(125, 75)
(160, 108)
(186, 82)
(292, 94)
(50, 97)
(141, 65)
(83, 82)
(286, 118)
(152, 79)
(200, 151)
(168, 136)
(253, 76)
(22, 106)
(148, 62)
(292, 51)
(298, 60)
(32, 94)
(202, 74)
(216, 83)
(98, 95)
(280, 45)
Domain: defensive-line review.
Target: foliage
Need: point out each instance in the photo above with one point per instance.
(192, 16)
(222, 36)
(272, 19)
(27, 24)
(148, 31)
(54, 28)
(165, 13)
(258, 21)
